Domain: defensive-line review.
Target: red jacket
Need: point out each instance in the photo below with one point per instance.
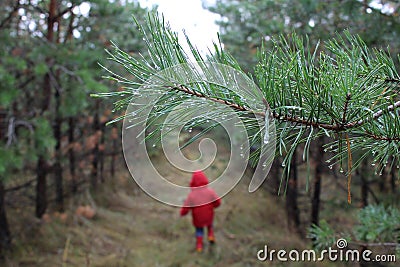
(201, 201)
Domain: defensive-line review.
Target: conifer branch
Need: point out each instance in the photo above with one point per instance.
(346, 105)
(294, 119)
(330, 91)
(383, 138)
(375, 116)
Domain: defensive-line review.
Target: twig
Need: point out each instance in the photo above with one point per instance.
(294, 119)
(375, 116)
(346, 105)
(65, 254)
(382, 138)
(12, 125)
(18, 187)
(65, 11)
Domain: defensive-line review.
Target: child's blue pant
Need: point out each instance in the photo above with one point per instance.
(200, 230)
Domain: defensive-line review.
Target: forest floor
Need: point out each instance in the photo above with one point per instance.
(131, 229)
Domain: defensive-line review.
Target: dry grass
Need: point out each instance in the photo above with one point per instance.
(132, 229)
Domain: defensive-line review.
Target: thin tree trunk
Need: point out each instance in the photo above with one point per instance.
(274, 182)
(41, 167)
(364, 183)
(114, 136)
(58, 171)
(41, 187)
(382, 180)
(5, 235)
(71, 155)
(95, 151)
(50, 38)
(101, 152)
(95, 161)
(393, 179)
(316, 198)
(292, 209)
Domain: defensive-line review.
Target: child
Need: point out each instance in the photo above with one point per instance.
(201, 201)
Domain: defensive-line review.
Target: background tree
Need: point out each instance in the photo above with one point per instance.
(244, 25)
(49, 56)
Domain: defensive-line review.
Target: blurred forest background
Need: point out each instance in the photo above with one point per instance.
(66, 196)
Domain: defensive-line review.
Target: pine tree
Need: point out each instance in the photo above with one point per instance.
(48, 68)
(340, 89)
(245, 25)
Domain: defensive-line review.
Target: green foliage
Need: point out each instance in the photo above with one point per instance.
(43, 136)
(378, 224)
(322, 235)
(69, 60)
(166, 53)
(245, 25)
(340, 88)
(10, 160)
(337, 92)
(7, 81)
(41, 69)
(90, 83)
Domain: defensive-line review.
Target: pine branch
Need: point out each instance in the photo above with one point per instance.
(331, 90)
(294, 119)
(237, 107)
(375, 116)
(383, 138)
(346, 105)
(393, 80)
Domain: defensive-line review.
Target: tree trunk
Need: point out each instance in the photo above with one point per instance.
(114, 136)
(58, 170)
(382, 180)
(41, 187)
(5, 236)
(41, 167)
(393, 179)
(95, 161)
(71, 155)
(274, 182)
(364, 183)
(50, 38)
(292, 209)
(316, 198)
(95, 151)
(101, 152)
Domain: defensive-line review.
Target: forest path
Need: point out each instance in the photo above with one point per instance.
(145, 232)
(132, 229)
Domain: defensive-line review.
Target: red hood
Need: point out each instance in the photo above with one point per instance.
(198, 179)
